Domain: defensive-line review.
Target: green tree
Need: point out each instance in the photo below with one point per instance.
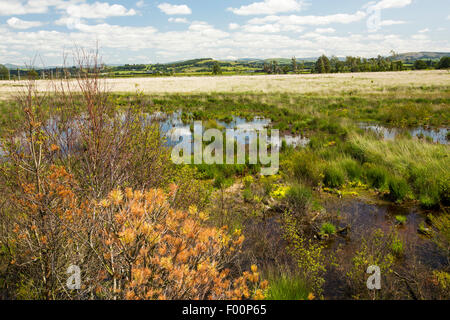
(4, 73)
(294, 64)
(275, 68)
(420, 65)
(33, 75)
(216, 68)
(444, 63)
(323, 65)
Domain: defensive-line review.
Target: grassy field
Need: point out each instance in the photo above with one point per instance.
(398, 83)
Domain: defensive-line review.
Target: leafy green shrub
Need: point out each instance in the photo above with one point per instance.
(311, 261)
(328, 228)
(334, 177)
(376, 175)
(398, 188)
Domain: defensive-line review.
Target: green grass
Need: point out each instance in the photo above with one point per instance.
(334, 176)
(397, 246)
(398, 189)
(401, 219)
(328, 228)
(287, 288)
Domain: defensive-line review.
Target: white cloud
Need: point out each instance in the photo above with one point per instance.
(178, 20)
(269, 7)
(419, 37)
(325, 30)
(22, 7)
(171, 9)
(140, 4)
(267, 28)
(342, 18)
(388, 4)
(424, 30)
(233, 26)
(17, 23)
(271, 28)
(120, 43)
(98, 10)
(260, 37)
(10, 7)
(391, 22)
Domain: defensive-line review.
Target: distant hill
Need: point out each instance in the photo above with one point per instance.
(13, 66)
(230, 66)
(413, 56)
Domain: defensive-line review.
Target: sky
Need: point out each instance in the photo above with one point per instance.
(146, 31)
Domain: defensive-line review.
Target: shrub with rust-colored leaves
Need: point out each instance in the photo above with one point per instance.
(152, 251)
(38, 234)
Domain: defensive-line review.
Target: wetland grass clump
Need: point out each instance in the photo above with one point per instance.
(305, 167)
(352, 168)
(376, 175)
(397, 246)
(400, 219)
(328, 228)
(299, 198)
(407, 166)
(284, 287)
(334, 176)
(398, 189)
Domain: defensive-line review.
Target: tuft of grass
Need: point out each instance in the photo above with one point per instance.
(376, 175)
(400, 219)
(287, 288)
(397, 246)
(306, 167)
(328, 228)
(398, 189)
(299, 198)
(247, 195)
(352, 168)
(334, 176)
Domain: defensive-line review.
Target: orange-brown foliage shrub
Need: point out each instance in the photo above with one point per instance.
(131, 245)
(153, 251)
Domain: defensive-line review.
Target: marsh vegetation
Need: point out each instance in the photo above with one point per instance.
(84, 182)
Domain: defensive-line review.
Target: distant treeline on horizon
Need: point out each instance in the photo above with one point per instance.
(209, 66)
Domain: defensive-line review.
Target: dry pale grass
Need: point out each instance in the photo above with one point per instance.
(314, 83)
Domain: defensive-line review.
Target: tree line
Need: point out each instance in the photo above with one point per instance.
(353, 64)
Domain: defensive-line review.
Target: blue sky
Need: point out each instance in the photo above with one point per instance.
(146, 31)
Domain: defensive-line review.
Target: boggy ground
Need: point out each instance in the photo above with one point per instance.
(347, 200)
